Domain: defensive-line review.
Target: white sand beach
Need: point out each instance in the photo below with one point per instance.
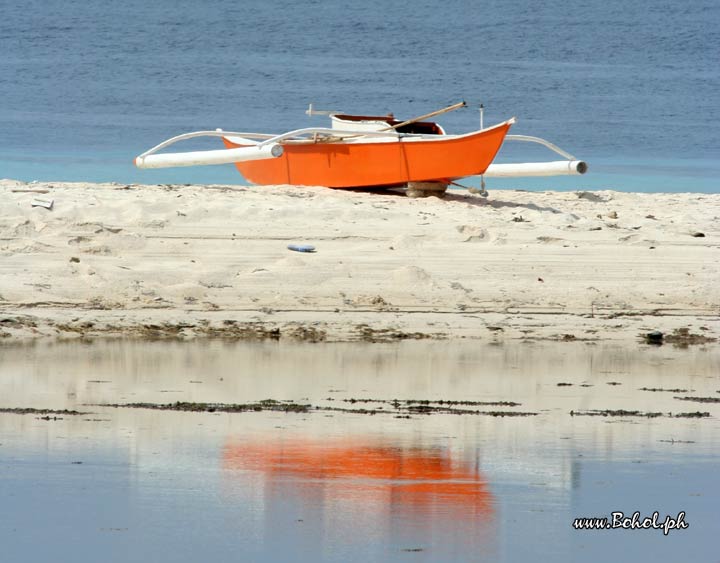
(185, 261)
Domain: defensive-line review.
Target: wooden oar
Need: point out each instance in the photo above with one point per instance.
(426, 116)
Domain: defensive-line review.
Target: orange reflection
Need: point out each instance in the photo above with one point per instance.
(413, 476)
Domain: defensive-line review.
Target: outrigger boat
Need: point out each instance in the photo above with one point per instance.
(365, 151)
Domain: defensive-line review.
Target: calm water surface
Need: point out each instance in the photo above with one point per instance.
(631, 87)
(137, 484)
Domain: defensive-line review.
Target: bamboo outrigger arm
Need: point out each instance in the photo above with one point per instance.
(543, 142)
(267, 146)
(534, 169)
(571, 166)
(149, 159)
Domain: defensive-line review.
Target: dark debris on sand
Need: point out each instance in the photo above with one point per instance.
(401, 408)
(661, 390)
(184, 406)
(625, 414)
(45, 412)
(680, 337)
(366, 333)
(408, 407)
(699, 399)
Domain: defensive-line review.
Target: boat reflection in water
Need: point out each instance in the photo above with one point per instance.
(363, 489)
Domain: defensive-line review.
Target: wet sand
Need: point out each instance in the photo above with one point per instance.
(188, 261)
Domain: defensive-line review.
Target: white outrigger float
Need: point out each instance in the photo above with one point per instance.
(366, 151)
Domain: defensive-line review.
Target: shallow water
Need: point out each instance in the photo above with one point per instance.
(121, 484)
(630, 87)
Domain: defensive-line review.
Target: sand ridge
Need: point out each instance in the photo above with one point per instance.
(551, 263)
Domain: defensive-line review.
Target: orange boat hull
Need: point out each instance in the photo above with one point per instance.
(395, 162)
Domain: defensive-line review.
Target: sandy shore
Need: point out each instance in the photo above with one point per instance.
(213, 260)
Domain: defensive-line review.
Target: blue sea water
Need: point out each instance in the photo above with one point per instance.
(631, 87)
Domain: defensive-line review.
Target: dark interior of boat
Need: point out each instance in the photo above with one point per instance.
(419, 127)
